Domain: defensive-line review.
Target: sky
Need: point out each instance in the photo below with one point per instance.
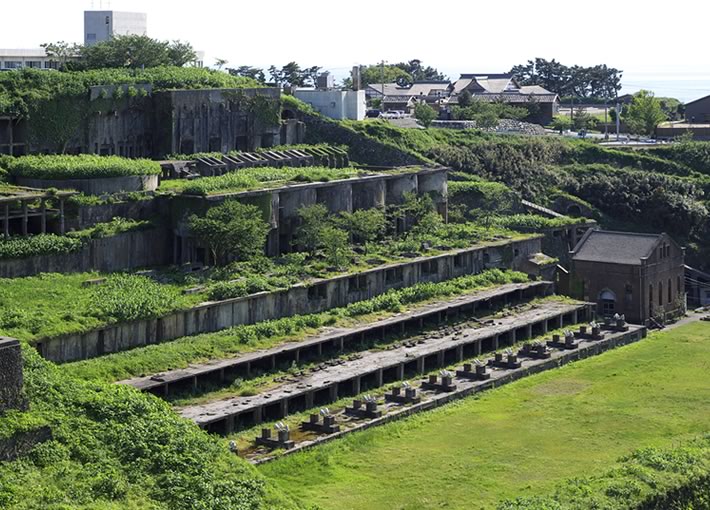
(652, 42)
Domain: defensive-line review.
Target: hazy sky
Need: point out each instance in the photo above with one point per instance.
(648, 39)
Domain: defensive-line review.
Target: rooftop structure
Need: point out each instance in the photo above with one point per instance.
(103, 25)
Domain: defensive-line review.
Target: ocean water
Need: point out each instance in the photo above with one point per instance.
(683, 86)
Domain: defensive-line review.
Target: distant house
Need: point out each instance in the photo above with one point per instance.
(639, 275)
(698, 111)
(505, 88)
(405, 97)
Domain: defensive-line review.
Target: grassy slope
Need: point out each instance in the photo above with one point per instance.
(522, 439)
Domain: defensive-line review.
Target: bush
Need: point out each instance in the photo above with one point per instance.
(534, 222)
(41, 244)
(126, 297)
(85, 166)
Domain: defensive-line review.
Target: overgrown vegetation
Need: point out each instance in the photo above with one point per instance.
(113, 447)
(181, 352)
(84, 166)
(524, 440)
(257, 178)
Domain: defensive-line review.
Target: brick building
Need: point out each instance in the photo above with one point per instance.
(638, 275)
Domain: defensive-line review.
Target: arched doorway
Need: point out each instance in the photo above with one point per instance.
(607, 302)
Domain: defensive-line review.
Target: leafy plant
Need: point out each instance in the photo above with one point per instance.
(41, 244)
(85, 166)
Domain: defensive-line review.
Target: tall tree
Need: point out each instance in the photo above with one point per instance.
(598, 82)
(62, 51)
(255, 73)
(644, 113)
(136, 51)
(220, 63)
(418, 72)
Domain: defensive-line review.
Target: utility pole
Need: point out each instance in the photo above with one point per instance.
(618, 118)
(382, 79)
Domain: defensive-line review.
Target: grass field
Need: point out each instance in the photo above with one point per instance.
(520, 440)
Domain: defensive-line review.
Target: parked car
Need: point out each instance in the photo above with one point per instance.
(373, 114)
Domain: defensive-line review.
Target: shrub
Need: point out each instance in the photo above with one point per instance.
(84, 166)
(534, 222)
(42, 244)
(126, 297)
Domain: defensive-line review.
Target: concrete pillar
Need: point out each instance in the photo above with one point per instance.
(333, 392)
(258, 414)
(513, 336)
(379, 377)
(284, 407)
(62, 226)
(440, 359)
(420, 365)
(341, 344)
(273, 361)
(356, 385)
(297, 356)
(6, 222)
(575, 317)
(478, 348)
(25, 219)
(400, 371)
(496, 340)
(194, 384)
(229, 425)
(529, 331)
(248, 369)
(561, 321)
(459, 353)
(310, 399)
(43, 211)
(320, 349)
(544, 327)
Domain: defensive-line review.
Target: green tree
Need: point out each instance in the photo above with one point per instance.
(136, 51)
(464, 99)
(336, 248)
(424, 114)
(365, 225)
(231, 231)
(314, 219)
(561, 123)
(644, 113)
(255, 73)
(62, 51)
(220, 63)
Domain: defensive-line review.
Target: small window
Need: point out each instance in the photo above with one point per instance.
(357, 283)
(317, 292)
(670, 294)
(90, 37)
(394, 275)
(660, 293)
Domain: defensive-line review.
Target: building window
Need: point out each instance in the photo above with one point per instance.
(678, 284)
(13, 64)
(34, 64)
(608, 301)
(660, 293)
(628, 294)
(90, 37)
(650, 299)
(670, 294)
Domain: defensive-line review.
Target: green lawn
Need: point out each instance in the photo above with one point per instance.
(519, 440)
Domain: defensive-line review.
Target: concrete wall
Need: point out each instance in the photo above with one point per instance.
(131, 250)
(317, 297)
(11, 395)
(336, 104)
(99, 186)
(87, 216)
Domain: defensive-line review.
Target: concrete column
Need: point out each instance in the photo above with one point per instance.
(248, 369)
(420, 365)
(544, 326)
(400, 371)
(320, 349)
(341, 344)
(379, 377)
(496, 341)
(575, 317)
(6, 222)
(62, 226)
(43, 210)
(356, 385)
(561, 321)
(440, 358)
(258, 414)
(333, 392)
(459, 353)
(273, 361)
(297, 356)
(284, 407)
(229, 425)
(194, 384)
(310, 399)
(529, 331)
(478, 348)
(25, 219)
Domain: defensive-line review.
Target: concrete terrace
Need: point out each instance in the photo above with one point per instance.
(339, 338)
(375, 368)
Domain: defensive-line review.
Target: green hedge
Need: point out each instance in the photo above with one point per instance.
(42, 244)
(534, 222)
(85, 166)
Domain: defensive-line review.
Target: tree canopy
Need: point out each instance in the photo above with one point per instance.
(598, 82)
(644, 113)
(136, 51)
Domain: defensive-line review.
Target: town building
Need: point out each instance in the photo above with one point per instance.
(639, 275)
(698, 111)
(103, 25)
(543, 104)
(394, 96)
(336, 104)
(35, 58)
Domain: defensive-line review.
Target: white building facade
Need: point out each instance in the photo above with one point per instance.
(102, 25)
(336, 104)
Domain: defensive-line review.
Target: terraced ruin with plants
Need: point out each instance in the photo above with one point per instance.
(369, 319)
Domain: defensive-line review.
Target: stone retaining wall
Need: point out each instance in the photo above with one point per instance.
(130, 250)
(99, 186)
(300, 299)
(11, 395)
(22, 443)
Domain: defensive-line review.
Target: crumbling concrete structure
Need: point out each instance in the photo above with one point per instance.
(11, 382)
